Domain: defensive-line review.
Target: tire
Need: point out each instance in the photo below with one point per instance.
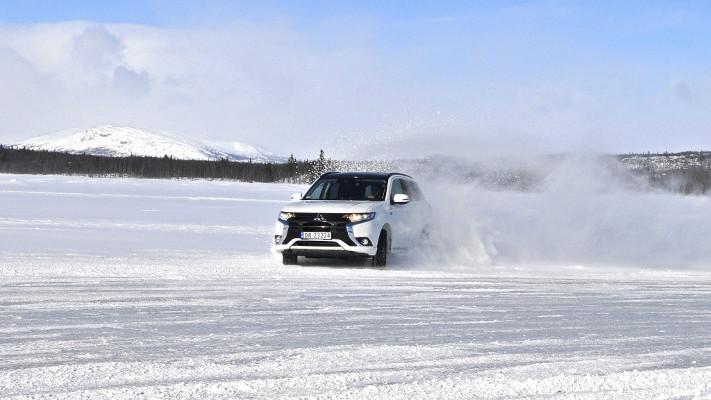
(381, 256)
(425, 235)
(289, 259)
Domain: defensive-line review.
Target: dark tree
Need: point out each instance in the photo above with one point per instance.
(24, 161)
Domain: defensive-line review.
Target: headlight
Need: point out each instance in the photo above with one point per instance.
(359, 217)
(285, 216)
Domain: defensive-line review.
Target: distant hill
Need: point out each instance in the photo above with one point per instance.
(120, 141)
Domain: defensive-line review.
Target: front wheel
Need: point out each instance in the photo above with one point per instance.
(381, 256)
(288, 259)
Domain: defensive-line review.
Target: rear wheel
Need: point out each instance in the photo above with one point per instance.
(381, 256)
(425, 243)
(425, 234)
(288, 259)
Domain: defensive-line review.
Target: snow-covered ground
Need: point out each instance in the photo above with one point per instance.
(124, 289)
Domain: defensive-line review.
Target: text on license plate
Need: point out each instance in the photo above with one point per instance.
(316, 235)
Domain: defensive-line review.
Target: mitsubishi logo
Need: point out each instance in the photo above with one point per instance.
(319, 218)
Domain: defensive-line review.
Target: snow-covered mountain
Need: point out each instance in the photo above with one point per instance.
(121, 141)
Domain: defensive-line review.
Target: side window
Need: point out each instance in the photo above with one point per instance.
(412, 190)
(396, 188)
(408, 189)
(420, 195)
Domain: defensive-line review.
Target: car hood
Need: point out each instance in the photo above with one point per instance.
(330, 206)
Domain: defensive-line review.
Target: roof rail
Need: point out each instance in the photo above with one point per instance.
(382, 174)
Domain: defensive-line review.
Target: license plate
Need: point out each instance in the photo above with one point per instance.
(316, 235)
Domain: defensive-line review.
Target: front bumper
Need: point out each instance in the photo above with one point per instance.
(343, 242)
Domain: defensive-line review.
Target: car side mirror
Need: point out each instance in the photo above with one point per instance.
(296, 196)
(401, 198)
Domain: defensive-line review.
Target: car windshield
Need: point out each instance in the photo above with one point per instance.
(349, 189)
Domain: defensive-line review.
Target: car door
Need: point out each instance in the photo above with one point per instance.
(415, 212)
(398, 216)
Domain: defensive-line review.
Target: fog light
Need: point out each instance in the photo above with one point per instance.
(364, 241)
(277, 239)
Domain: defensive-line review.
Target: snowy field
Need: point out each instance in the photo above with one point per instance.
(126, 289)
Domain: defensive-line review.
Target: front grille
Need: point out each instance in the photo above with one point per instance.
(308, 222)
(310, 217)
(316, 243)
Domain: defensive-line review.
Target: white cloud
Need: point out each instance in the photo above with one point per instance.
(238, 82)
(292, 90)
(96, 51)
(129, 82)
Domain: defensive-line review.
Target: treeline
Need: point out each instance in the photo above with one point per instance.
(689, 180)
(694, 180)
(25, 161)
(687, 172)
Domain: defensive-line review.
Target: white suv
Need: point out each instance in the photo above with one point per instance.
(353, 214)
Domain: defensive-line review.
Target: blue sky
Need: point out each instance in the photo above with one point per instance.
(614, 76)
(166, 12)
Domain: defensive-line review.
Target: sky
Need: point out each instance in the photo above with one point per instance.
(365, 78)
